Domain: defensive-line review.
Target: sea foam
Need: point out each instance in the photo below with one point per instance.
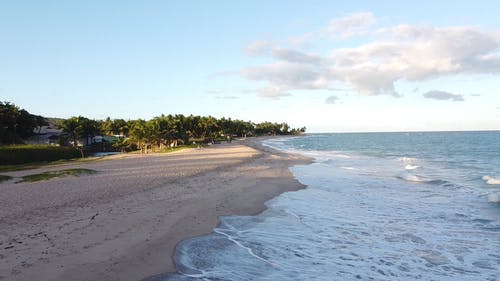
(411, 167)
(409, 160)
(376, 214)
(491, 181)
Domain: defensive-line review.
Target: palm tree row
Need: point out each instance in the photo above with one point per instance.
(169, 130)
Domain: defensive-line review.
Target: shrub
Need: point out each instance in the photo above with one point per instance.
(21, 154)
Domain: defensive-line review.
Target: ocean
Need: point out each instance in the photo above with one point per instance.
(378, 206)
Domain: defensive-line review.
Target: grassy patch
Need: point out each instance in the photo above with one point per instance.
(56, 174)
(4, 178)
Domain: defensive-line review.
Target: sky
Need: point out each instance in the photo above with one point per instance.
(332, 66)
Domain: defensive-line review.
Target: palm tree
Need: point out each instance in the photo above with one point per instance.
(142, 133)
(70, 126)
(115, 127)
(209, 127)
(87, 128)
(107, 126)
(120, 127)
(40, 122)
(182, 127)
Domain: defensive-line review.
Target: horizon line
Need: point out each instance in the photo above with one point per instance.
(409, 131)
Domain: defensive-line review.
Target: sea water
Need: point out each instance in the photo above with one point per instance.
(378, 206)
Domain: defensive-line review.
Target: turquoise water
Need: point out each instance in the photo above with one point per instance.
(378, 206)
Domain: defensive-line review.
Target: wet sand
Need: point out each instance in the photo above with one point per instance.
(123, 222)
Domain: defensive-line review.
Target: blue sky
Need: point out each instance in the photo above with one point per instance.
(328, 65)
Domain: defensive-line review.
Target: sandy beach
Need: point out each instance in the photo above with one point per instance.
(123, 222)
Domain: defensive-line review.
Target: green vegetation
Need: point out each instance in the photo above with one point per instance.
(80, 126)
(173, 130)
(163, 133)
(166, 131)
(17, 124)
(20, 154)
(4, 178)
(54, 174)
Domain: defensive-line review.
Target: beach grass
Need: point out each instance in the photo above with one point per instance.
(4, 178)
(56, 174)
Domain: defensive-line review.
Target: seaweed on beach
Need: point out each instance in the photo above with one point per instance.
(56, 174)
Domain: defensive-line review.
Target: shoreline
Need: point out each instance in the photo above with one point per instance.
(105, 227)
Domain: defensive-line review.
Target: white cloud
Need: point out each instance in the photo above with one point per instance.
(442, 95)
(331, 100)
(227, 97)
(295, 56)
(285, 76)
(259, 48)
(403, 52)
(416, 54)
(213, 91)
(273, 92)
(351, 25)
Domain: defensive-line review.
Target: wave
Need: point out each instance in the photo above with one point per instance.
(410, 163)
(409, 160)
(349, 168)
(411, 167)
(415, 178)
(325, 157)
(411, 178)
(491, 181)
(338, 155)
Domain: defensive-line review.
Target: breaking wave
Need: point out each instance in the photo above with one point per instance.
(491, 181)
(356, 220)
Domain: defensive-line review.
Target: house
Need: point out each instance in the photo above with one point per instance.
(45, 135)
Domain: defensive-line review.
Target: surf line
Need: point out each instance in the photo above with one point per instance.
(244, 247)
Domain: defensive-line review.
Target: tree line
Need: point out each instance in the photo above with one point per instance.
(156, 133)
(169, 130)
(17, 124)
